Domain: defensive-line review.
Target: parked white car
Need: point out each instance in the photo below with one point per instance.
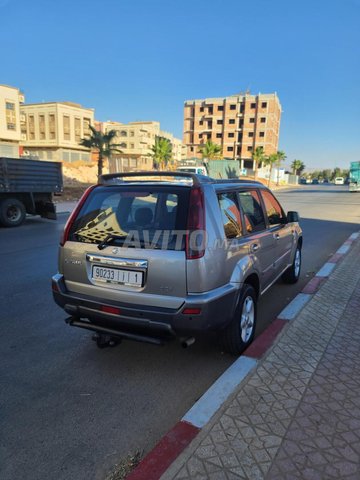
(339, 181)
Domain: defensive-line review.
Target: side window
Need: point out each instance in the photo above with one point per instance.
(230, 214)
(253, 213)
(273, 209)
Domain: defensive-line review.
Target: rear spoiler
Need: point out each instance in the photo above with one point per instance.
(147, 176)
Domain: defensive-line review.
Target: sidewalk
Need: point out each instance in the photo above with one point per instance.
(297, 414)
(65, 207)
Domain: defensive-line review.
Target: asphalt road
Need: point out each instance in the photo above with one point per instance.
(71, 411)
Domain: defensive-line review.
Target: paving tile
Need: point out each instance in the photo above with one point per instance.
(297, 415)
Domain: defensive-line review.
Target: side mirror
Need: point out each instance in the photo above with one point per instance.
(292, 217)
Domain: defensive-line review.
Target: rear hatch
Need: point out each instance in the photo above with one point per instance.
(140, 230)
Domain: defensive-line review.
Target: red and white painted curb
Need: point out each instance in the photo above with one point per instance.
(155, 464)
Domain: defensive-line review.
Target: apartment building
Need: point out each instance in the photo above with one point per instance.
(135, 140)
(238, 123)
(11, 99)
(53, 131)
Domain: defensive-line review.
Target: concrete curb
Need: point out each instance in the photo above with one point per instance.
(158, 460)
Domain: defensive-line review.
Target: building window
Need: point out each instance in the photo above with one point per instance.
(253, 105)
(263, 119)
(132, 133)
(42, 127)
(86, 127)
(77, 130)
(249, 149)
(262, 134)
(263, 105)
(52, 130)
(201, 109)
(231, 135)
(66, 127)
(219, 122)
(219, 135)
(252, 120)
(232, 121)
(242, 108)
(132, 145)
(210, 110)
(123, 133)
(10, 115)
(123, 145)
(251, 134)
(220, 108)
(133, 162)
(232, 107)
(31, 127)
(200, 135)
(230, 149)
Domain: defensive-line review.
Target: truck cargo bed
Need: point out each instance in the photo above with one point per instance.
(23, 175)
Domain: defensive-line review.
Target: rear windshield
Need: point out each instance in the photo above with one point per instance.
(145, 216)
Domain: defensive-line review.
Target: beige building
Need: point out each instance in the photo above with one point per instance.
(10, 132)
(239, 124)
(53, 130)
(135, 140)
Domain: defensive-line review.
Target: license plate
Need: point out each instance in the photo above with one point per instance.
(115, 275)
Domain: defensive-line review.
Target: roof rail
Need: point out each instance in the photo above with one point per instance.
(236, 180)
(197, 179)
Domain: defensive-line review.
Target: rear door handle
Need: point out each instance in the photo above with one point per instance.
(254, 247)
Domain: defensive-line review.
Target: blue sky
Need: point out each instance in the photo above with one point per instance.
(140, 60)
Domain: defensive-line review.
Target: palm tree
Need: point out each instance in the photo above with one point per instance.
(103, 143)
(297, 166)
(271, 160)
(161, 152)
(281, 156)
(210, 150)
(258, 156)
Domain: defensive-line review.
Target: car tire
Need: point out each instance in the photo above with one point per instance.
(12, 212)
(238, 335)
(292, 274)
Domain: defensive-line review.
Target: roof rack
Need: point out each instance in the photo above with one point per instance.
(197, 179)
(236, 180)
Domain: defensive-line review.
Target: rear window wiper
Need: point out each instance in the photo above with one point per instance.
(109, 238)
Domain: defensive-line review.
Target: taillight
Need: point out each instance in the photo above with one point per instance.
(196, 236)
(74, 214)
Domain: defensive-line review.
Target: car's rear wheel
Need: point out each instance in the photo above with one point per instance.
(12, 212)
(292, 274)
(240, 332)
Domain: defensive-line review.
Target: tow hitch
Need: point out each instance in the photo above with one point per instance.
(103, 340)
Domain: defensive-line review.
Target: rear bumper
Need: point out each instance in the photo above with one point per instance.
(217, 308)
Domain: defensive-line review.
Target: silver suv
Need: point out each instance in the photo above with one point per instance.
(153, 256)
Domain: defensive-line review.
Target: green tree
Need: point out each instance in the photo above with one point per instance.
(271, 160)
(298, 167)
(161, 152)
(103, 143)
(258, 157)
(281, 157)
(335, 173)
(210, 150)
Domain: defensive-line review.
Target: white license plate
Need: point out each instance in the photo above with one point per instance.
(115, 275)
